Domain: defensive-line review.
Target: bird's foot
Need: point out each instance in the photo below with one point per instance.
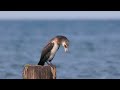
(53, 66)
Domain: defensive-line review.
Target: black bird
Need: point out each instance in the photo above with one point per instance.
(51, 48)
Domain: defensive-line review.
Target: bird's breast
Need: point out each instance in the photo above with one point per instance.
(53, 51)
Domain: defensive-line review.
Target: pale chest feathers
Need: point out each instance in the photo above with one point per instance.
(53, 51)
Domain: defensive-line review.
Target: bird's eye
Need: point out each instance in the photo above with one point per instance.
(65, 46)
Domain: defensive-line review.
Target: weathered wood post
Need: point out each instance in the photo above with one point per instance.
(39, 72)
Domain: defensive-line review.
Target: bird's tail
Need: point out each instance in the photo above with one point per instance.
(41, 62)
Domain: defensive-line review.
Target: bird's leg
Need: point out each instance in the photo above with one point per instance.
(52, 65)
(49, 63)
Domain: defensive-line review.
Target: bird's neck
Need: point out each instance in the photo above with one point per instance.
(56, 45)
(55, 48)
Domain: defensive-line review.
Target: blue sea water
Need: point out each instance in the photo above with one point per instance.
(94, 47)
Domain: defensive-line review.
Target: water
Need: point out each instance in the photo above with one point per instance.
(94, 47)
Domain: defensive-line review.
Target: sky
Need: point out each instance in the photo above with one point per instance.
(59, 15)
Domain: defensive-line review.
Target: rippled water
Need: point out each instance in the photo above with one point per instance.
(94, 47)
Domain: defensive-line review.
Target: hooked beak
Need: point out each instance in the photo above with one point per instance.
(66, 50)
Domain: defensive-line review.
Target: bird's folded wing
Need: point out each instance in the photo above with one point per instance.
(46, 50)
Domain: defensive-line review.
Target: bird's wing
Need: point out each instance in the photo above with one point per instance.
(46, 51)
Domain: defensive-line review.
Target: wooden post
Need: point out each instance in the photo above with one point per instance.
(39, 72)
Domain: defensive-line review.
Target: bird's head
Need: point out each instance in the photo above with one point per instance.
(65, 44)
(62, 40)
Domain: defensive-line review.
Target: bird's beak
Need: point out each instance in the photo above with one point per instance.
(66, 50)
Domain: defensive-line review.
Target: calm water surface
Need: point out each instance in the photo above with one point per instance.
(94, 47)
